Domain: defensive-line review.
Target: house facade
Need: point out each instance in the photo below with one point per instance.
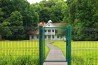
(51, 31)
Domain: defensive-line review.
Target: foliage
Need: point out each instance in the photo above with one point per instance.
(1, 15)
(50, 10)
(26, 19)
(82, 15)
(12, 27)
(16, 25)
(4, 28)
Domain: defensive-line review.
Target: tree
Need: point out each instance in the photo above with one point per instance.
(5, 32)
(1, 15)
(29, 16)
(45, 14)
(16, 25)
(51, 9)
(95, 18)
(82, 17)
(7, 7)
(12, 27)
(58, 9)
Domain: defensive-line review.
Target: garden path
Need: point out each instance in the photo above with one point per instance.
(55, 56)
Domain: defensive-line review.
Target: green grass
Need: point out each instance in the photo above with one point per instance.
(24, 52)
(27, 52)
(83, 52)
(18, 47)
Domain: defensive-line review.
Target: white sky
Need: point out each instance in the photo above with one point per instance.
(33, 1)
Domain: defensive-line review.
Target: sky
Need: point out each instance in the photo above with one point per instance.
(33, 1)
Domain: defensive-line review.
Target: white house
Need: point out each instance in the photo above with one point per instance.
(51, 31)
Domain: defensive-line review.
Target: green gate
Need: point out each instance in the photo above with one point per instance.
(41, 46)
(80, 49)
(66, 39)
(68, 44)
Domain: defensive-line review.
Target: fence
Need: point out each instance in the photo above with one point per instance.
(56, 36)
(84, 47)
(82, 50)
(23, 52)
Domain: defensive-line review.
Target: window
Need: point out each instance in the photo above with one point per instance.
(45, 30)
(52, 30)
(56, 31)
(32, 37)
(52, 36)
(49, 36)
(49, 30)
(57, 36)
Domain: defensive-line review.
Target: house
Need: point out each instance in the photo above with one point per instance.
(51, 31)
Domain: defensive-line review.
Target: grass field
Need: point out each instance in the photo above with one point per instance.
(18, 47)
(83, 52)
(19, 52)
(27, 52)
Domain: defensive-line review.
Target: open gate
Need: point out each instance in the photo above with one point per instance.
(75, 52)
(55, 37)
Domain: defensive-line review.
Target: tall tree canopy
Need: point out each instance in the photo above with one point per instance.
(17, 12)
(82, 15)
(51, 9)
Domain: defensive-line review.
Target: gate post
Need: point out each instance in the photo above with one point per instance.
(41, 45)
(68, 44)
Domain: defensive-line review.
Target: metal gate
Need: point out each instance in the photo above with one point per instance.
(81, 49)
(58, 37)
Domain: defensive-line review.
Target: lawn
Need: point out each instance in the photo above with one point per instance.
(27, 52)
(24, 52)
(83, 52)
(16, 48)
